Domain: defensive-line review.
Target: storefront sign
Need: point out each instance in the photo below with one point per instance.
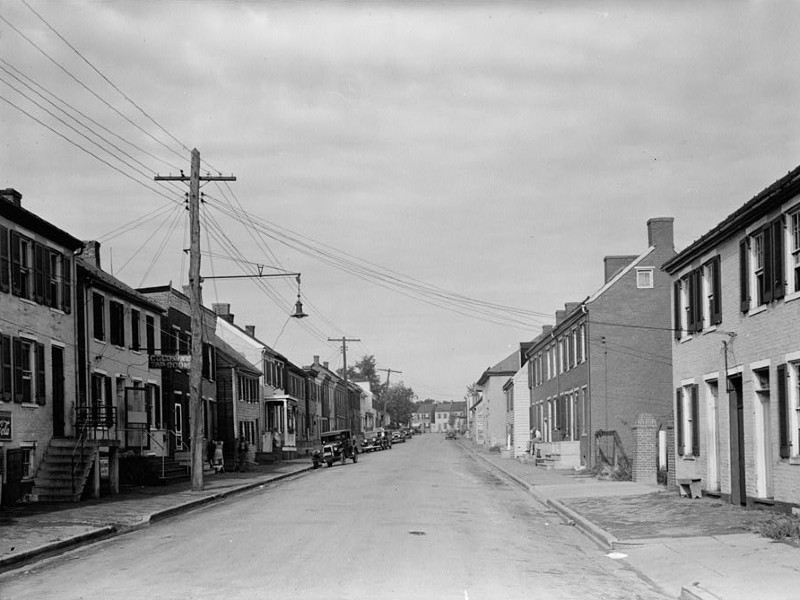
(169, 361)
(5, 425)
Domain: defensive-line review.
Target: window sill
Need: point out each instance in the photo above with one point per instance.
(792, 296)
(710, 329)
(757, 310)
(688, 458)
(794, 460)
(29, 405)
(57, 311)
(27, 301)
(684, 339)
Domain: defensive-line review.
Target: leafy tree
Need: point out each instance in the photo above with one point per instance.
(365, 370)
(399, 403)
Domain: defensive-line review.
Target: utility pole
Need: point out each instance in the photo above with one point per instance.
(344, 341)
(195, 370)
(386, 391)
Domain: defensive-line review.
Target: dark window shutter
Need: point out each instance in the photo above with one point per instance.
(690, 299)
(66, 283)
(5, 368)
(744, 276)
(695, 422)
(38, 273)
(716, 305)
(16, 275)
(778, 276)
(109, 420)
(783, 413)
(679, 420)
(698, 299)
(41, 396)
(5, 265)
(17, 344)
(767, 284)
(677, 308)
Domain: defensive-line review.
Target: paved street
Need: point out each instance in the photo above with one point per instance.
(424, 520)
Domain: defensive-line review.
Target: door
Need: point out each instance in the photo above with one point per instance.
(57, 368)
(712, 410)
(736, 411)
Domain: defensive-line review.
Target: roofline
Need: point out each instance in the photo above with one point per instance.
(122, 289)
(34, 222)
(759, 205)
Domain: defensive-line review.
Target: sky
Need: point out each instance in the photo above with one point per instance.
(412, 160)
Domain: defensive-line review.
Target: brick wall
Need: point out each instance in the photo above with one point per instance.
(645, 459)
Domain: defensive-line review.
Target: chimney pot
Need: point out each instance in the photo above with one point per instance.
(251, 330)
(91, 253)
(11, 195)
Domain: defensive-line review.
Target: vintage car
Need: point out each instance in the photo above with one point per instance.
(398, 437)
(338, 445)
(450, 435)
(371, 443)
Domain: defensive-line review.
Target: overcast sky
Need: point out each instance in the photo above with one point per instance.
(495, 150)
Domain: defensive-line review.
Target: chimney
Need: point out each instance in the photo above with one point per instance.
(560, 314)
(547, 328)
(325, 364)
(251, 330)
(91, 253)
(11, 195)
(659, 232)
(223, 311)
(316, 359)
(569, 307)
(614, 264)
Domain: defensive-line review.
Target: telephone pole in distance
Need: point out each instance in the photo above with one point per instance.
(343, 340)
(386, 391)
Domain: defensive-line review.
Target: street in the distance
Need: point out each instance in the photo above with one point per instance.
(422, 520)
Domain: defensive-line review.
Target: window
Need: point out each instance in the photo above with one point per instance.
(184, 342)
(154, 403)
(583, 341)
(21, 266)
(28, 457)
(712, 292)
(794, 248)
(687, 421)
(697, 299)
(150, 333)
(135, 335)
(99, 316)
(644, 277)
(209, 369)
(761, 272)
(116, 313)
(5, 263)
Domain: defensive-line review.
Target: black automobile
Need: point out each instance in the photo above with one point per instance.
(336, 445)
(398, 437)
(450, 435)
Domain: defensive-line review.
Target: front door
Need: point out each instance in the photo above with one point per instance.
(736, 411)
(57, 368)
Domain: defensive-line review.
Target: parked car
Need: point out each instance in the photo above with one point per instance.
(450, 435)
(372, 442)
(407, 433)
(398, 437)
(337, 445)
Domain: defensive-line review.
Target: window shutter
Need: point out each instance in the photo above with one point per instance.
(783, 413)
(16, 275)
(744, 276)
(698, 299)
(676, 307)
(109, 420)
(690, 297)
(17, 344)
(778, 275)
(695, 422)
(679, 421)
(66, 283)
(5, 271)
(41, 396)
(716, 305)
(768, 274)
(38, 273)
(5, 368)
(46, 277)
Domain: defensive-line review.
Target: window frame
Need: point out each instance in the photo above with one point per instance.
(98, 316)
(645, 278)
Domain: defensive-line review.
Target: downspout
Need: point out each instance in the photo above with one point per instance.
(590, 450)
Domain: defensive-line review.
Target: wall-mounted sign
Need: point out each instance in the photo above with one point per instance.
(169, 361)
(5, 425)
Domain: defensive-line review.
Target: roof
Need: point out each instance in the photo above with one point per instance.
(759, 205)
(508, 366)
(230, 355)
(34, 222)
(617, 276)
(100, 278)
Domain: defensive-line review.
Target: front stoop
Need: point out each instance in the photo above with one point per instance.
(54, 478)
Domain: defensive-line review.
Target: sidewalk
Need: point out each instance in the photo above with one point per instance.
(693, 549)
(38, 530)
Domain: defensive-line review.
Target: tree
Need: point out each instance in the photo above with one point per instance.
(365, 370)
(399, 402)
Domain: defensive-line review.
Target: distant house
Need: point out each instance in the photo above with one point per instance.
(423, 415)
(491, 408)
(607, 359)
(518, 403)
(736, 352)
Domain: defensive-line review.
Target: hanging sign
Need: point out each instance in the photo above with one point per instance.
(169, 361)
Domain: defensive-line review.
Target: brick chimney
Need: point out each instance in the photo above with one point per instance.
(250, 330)
(547, 328)
(11, 195)
(659, 232)
(614, 264)
(91, 253)
(560, 314)
(223, 311)
(325, 364)
(316, 359)
(569, 307)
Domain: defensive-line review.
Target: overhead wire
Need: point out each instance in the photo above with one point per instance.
(147, 240)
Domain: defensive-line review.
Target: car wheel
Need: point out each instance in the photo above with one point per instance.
(330, 463)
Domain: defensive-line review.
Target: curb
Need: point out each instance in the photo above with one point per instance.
(694, 592)
(108, 531)
(589, 529)
(56, 547)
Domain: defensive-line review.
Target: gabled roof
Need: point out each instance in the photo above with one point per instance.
(233, 358)
(619, 275)
(759, 205)
(107, 281)
(508, 366)
(35, 223)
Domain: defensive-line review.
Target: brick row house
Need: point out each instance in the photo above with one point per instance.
(736, 352)
(606, 360)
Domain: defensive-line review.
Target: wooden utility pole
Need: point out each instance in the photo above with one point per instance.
(386, 390)
(344, 341)
(196, 303)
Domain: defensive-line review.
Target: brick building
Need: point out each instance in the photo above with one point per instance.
(607, 359)
(736, 351)
(37, 342)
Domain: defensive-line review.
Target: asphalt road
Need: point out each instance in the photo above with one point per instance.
(423, 520)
